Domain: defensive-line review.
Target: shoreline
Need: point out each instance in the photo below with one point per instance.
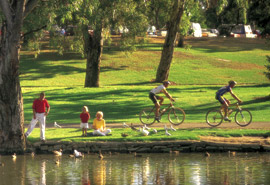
(205, 144)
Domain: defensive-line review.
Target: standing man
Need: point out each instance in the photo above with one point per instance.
(153, 96)
(39, 115)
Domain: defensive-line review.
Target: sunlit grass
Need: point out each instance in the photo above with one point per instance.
(127, 79)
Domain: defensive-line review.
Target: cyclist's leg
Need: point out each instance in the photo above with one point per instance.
(161, 99)
(157, 109)
(154, 99)
(224, 105)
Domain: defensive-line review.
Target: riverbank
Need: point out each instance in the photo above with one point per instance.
(205, 144)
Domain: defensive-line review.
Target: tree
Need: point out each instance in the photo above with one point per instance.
(193, 13)
(11, 101)
(158, 12)
(235, 12)
(168, 47)
(259, 13)
(95, 19)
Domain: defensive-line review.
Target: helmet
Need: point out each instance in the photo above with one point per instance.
(231, 82)
(166, 82)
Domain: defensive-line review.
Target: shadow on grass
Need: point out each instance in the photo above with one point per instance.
(120, 104)
(212, 45)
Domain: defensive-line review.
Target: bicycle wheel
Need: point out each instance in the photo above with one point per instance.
(243, 117)
(214, 118)
(176, 116)
(147, 116)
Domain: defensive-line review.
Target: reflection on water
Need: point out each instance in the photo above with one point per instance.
(195, 168)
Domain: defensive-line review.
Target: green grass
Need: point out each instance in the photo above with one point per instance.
(126, 80)
(73, 134)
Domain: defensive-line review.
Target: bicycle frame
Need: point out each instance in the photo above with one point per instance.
(242, 116)
(166, 109)
(231, 110)
(176, 115)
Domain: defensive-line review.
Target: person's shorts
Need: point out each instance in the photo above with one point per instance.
(84, 125)
(153, 97)
(221, 99)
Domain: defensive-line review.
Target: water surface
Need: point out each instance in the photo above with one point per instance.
(186, 168)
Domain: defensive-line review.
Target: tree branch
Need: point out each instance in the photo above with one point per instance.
(5, 6)
(31, 4)
(32, 31)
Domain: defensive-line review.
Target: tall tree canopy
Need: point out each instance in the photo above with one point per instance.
(94, 20)
(259, 13)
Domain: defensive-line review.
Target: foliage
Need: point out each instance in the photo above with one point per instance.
(158, 12)
(259, 12)
(35, 23)
(235, 12)
(111, 15)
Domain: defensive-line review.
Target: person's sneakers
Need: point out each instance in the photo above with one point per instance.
(157, 119)
(227, 119)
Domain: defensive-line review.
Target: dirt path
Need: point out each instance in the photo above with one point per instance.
(224, 125)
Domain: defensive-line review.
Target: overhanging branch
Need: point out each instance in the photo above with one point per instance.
(31, 4)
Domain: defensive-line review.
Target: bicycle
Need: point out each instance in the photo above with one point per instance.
(242, 117)
(176, 115)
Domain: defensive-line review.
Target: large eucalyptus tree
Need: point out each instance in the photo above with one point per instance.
(11, 101)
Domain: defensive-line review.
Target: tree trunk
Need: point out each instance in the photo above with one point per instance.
(168, 47)
(181, 41)
(11, 101)
(94, 50)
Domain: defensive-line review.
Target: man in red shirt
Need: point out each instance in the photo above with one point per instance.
(39, 115)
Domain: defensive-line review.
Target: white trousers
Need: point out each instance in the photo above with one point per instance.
(103, 133)
(41, 118)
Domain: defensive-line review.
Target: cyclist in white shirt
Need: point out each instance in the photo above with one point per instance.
(153, 96)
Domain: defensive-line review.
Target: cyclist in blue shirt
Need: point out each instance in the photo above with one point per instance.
(224, 102)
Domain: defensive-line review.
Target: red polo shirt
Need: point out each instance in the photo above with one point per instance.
(84, 117)
(40, 105)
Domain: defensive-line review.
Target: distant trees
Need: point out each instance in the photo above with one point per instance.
(259, 14)
(94, 20)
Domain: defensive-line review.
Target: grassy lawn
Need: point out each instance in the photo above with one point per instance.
(126, 80)
(72, 134)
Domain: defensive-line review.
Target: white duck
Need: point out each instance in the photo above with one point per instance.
(144, 132)
(166, 131)
(146, 128)
(56, 125)
(77, 154)
(154, 130)
(173, 129)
